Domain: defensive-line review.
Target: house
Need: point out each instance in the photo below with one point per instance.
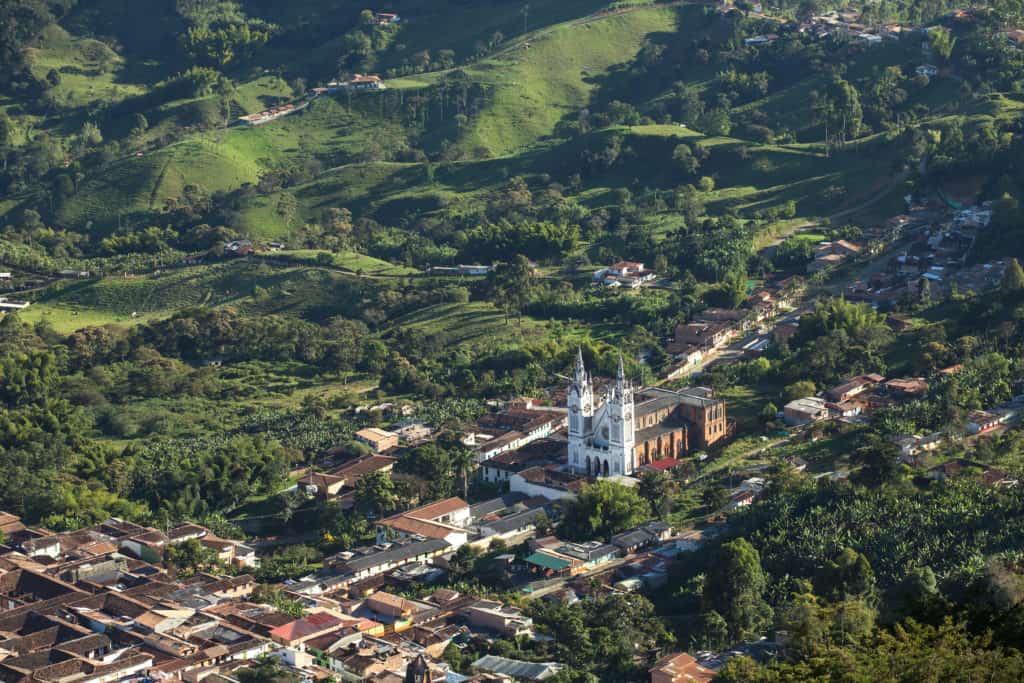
(760, 40)
(444, 520)
(516, 669)
(361, 563)
(688, 358)
(906, 387)
(680, 668)
(10, 524)
(1015, 37)
(475, 269)
(12, 305)
(823, 263)
(624, 274)
(643, 536)
(389, 608)
(853, 387)
(702, 336)
(846, 248)
(869, 39)
(980, 421)
(379, 440)
(553, 484)
(541, 452)
(342, 480)
(911, 446)
(510, 622)
(804, 411)
(384, 18)
(364, 82)
(927, 70)
(512, 428)
(295, 633)
(5, 276)
(268, 115)
(239, 248)
(587, 555)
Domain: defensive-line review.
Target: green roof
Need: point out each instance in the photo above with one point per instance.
(548, 562)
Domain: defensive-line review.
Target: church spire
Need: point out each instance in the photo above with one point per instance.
(581, 370)
(622, 372)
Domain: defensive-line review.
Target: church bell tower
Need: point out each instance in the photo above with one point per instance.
(622, 432)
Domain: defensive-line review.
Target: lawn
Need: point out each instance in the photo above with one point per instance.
(69, 318)
(469, 323)
(351, 260)
(89, 70)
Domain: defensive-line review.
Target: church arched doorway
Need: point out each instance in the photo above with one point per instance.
(606, 468)
(588, 465)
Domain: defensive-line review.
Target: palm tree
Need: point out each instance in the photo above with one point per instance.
(463, 463)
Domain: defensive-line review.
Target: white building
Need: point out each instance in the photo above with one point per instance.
(601, 439)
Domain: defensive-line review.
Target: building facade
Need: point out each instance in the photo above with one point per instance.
(629, 428)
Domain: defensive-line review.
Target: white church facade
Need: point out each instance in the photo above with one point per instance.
(626, 428)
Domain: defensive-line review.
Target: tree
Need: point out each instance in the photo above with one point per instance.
(463, 463)
(769, 412)
(290, 502)
(715, 497)
(602, 509)
(340, 222)
(942, 42)
(715, 631)
(267, 670)
(805, 622)
(91, 134)
(140, 124)
(376, 493)
(511, 285)
(735, 587)
(847, 575)
(656, 489)
(796, 390)
(839, 109)
(190, 556)
(1013, 278)
(6, 137)
(684, 159)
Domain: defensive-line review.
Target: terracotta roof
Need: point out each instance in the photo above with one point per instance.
(391, 601)
(664, 464)
(419, 527)
(438, 509)
(683, 667)
(309, 625)
(353, 471)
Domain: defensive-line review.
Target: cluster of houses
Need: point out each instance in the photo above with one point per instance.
(630, 274)
(936, 253)
(386, 18)
(828, 255)
(475, 269)
(698, 342)
(357, 82)
(97, 605)
(519, 423)
(857, 396)
(272, 114)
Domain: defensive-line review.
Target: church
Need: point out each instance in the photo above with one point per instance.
(626, 428)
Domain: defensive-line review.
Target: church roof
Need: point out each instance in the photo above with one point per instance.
(669, 426)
